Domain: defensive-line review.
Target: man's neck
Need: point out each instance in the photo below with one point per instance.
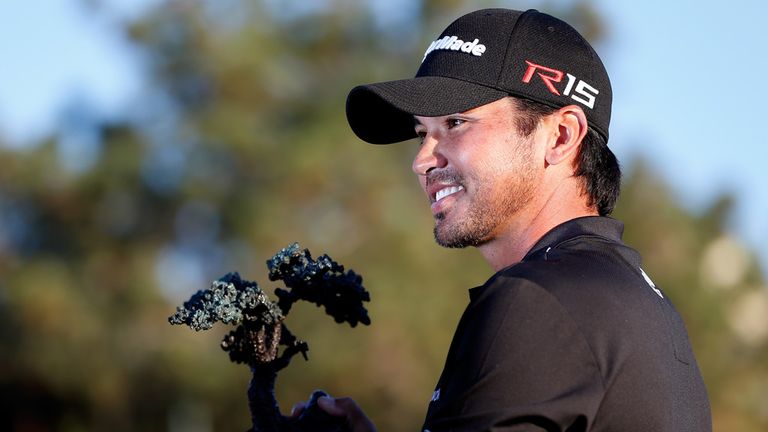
(519, 236)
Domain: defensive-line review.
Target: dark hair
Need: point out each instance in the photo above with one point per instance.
(595, 164)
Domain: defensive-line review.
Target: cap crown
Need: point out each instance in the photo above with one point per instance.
(526, 54)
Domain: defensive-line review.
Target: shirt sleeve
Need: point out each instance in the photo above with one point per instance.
(518, 362)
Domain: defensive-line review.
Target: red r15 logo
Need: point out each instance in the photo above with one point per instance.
(583, 92)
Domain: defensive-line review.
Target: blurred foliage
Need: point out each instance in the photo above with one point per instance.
(239, 146)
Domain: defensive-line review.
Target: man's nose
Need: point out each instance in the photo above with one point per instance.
(429, 156)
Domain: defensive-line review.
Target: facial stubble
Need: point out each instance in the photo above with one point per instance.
(491, 203)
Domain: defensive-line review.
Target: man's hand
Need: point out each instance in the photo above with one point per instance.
(345, 408)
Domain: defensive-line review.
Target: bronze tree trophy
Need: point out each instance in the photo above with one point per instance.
(260, 330)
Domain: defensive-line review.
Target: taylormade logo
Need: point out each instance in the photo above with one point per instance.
(453, 43)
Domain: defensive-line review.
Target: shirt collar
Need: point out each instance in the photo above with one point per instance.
(588, 225)
(599, 226)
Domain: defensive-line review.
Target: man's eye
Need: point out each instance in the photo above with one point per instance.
(453, 122)
(421, 135)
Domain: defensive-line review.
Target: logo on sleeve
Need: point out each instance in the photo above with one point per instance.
(435, 396)
(577, 89)
(453, 43)
(650, 283)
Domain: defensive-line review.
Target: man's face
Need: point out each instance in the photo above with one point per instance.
(477, 171)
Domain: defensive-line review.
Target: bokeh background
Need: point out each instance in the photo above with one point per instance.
(148, 147)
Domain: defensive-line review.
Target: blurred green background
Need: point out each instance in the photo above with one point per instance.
(240, 148)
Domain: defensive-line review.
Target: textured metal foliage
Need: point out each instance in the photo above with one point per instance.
(229, 300)
(322, 282)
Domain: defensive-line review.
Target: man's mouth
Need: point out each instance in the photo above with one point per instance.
(447, 191)
(441, 185)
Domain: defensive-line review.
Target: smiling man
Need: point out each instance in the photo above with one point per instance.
(512, 112)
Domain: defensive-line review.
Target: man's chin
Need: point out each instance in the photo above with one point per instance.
(448, 238)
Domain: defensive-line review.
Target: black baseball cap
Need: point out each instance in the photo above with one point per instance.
(482, 57)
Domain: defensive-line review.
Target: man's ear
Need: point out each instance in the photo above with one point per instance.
(571, 124)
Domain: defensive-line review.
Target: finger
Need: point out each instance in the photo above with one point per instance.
(298, 408)
(352, 410)
(331, 406)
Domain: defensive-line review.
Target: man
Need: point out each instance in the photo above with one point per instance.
(512, 110)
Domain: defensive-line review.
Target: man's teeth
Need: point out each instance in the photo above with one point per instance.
(442, 193)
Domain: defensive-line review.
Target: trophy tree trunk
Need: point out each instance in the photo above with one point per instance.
(265, 412)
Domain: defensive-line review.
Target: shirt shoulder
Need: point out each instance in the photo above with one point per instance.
(589, 273)
(516, 355)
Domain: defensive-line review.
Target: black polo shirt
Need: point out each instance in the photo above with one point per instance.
(575, 337)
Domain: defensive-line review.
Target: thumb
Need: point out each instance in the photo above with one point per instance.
(329, 405)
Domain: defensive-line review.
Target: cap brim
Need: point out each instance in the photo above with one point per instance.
(382, 113)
